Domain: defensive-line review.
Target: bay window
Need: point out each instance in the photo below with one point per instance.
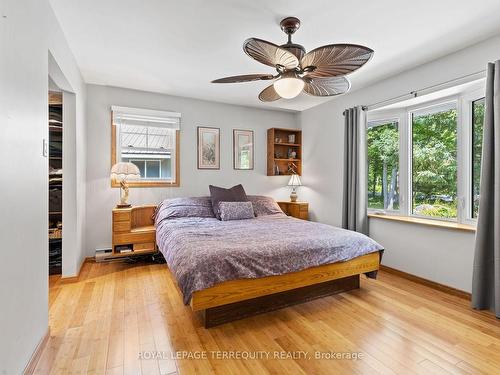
(424, 158)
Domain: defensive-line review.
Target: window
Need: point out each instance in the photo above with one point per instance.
(424, 158)
(149, 139)
(139, 144)
(153, 169)
(434, 162)
(383, 165)
(477, 143)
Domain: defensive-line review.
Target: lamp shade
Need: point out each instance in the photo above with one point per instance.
(294, 180)
(125, 171)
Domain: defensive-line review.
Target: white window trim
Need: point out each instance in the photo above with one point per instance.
(466, 159)
(463, 103)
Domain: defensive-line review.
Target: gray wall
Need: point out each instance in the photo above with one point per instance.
(441, 255)
(101, 198)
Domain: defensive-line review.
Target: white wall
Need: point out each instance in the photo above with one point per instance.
(440, 255)
(24, 184)
(74, 148)
(101, 198)
(27, 32)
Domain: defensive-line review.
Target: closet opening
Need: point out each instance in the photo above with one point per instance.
(55, 155)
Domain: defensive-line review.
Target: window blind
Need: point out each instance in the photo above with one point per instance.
(146, 117)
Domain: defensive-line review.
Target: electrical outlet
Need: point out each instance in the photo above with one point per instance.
(45, 148)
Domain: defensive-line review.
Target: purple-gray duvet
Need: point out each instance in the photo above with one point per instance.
(203, 251)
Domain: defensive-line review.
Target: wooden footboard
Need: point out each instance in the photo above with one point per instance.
(229, 293)
(238, 310)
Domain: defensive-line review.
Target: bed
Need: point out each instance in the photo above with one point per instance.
(228, 270)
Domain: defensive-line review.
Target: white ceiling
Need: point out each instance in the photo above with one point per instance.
(178, 47)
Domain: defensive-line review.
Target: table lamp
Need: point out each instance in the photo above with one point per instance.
(294, 182)
(123, 172)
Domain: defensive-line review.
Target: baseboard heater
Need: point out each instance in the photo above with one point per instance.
(103, 254)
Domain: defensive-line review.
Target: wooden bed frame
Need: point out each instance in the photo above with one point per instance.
(237, 299)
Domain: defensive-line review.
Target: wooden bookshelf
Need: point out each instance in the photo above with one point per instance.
(280, 149)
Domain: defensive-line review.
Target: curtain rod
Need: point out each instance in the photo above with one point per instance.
(416, 93)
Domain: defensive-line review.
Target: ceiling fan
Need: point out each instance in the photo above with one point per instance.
(319, 72)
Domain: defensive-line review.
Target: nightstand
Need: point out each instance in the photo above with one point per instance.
(300, 210)
(133, 231)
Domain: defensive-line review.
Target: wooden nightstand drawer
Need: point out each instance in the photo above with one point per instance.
(134, 237)
(121, 226)
(119, 215)
(299, 210)
(144, 246)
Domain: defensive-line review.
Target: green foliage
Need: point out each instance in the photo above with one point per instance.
(434, 163)
(434, 169)
(434, 139)
(477, 141)
(440, 210)
(383, 148)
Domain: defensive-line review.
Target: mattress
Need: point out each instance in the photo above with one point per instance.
(202, 252)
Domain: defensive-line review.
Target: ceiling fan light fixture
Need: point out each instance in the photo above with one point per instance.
(320, 72)
(288, 87)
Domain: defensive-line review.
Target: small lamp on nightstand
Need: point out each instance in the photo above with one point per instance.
(294, 182)
(123, 172)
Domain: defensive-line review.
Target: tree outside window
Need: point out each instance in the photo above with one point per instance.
(383, 165)
(434, 164)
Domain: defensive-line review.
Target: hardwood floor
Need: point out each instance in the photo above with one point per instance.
(118, 316)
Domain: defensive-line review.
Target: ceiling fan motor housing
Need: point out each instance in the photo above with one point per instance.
(289, 26)
(298, 50)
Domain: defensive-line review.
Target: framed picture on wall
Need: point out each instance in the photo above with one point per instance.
(208, 148)
(243, 149)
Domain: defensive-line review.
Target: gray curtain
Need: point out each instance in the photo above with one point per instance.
(354, 203)
(486, 275)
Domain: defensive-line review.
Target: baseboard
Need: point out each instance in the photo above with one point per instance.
(35, 357)
(429, 283)
(75, 278)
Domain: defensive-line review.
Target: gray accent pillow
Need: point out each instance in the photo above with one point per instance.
(218, 194)
(263, 205)
(184, 207)
(236, 210)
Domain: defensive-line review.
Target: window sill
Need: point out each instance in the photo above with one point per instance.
(428, 222)
(146, 183)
